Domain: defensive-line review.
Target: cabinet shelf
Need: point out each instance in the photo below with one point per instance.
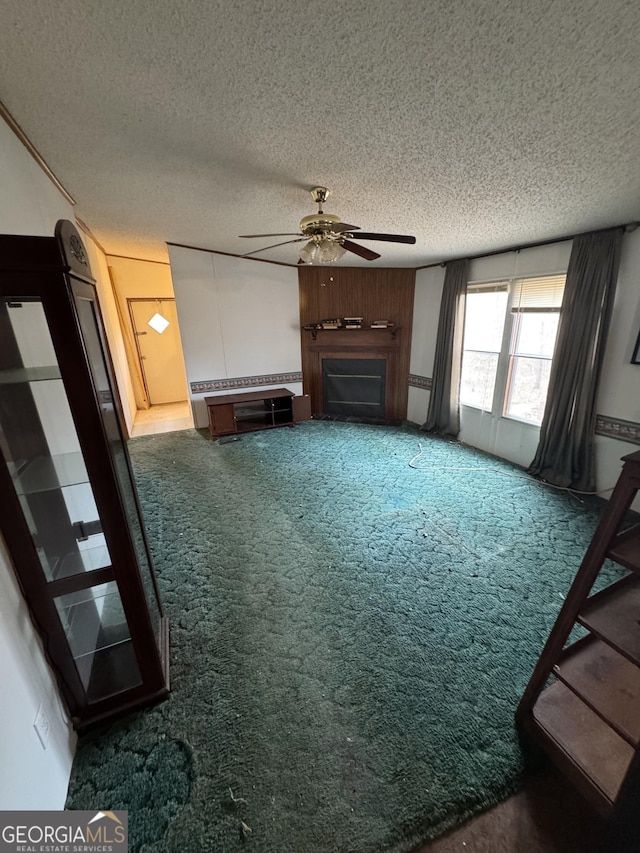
(47, 473)
(86, 560)
(253, 424)
(106, 677)
(24, 375)
(242, 413)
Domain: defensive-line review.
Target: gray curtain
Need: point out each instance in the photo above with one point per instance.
(565, 454)
(444, 404)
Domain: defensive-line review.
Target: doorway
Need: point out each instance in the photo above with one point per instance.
(159, 349)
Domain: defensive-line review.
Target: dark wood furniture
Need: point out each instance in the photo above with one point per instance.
(582, 703)
(70, 514)
(255, 410)
(374, 294)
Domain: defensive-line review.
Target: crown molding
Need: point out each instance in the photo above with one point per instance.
(31, 148)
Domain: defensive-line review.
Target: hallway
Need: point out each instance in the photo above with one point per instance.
(166, 418)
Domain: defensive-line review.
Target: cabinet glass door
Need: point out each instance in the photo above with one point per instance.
(40, 445)
(110, 417)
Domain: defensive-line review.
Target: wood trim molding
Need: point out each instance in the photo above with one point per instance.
(230, 255)
(31, 148)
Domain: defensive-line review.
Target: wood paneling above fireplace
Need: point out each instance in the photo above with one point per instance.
(376, 294)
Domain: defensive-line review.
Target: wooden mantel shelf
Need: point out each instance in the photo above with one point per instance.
(368, 338)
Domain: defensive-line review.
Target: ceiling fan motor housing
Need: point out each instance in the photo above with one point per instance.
(318, 223)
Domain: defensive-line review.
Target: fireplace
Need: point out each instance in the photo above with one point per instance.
(354, 387)
(367, 369)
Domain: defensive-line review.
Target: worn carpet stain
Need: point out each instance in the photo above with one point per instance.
(350, 637)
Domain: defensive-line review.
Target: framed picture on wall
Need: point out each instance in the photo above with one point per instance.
(635, 358)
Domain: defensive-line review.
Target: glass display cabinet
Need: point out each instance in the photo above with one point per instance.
(69, 509)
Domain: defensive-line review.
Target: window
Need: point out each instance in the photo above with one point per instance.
(509, 339)
(483, 333)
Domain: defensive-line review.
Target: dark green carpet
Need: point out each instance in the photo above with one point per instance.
(350, 638)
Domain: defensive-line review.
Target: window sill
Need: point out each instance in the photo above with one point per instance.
(530, 424)
(509, 418)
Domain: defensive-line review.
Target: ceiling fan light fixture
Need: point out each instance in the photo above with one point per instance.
(309, 252)
(330, 251)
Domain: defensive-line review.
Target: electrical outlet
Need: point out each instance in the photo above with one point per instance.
(41, 725)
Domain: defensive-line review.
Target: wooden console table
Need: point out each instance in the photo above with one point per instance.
(254, 410)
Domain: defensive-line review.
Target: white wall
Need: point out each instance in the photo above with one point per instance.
(619, 393)
(30, 777)
(237, 318)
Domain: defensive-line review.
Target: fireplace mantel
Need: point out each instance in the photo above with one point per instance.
(386, 344)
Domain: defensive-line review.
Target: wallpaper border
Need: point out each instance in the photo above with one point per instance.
(617, 428)
(420, 381)
(606, 426)
(244, 382)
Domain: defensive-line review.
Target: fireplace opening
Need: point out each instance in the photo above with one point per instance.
(354, 387)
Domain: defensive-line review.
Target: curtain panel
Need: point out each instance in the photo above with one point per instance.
(565, 454)
(443, 416)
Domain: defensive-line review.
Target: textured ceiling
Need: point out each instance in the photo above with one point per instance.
(472, 125)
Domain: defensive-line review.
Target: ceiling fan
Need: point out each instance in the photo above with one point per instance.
(326, 238)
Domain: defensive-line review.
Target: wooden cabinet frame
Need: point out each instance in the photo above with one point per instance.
(101, 621)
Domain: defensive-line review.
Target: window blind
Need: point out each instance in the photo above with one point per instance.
(538, 294)
(489, 287)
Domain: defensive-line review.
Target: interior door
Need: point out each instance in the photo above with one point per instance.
(155, 325)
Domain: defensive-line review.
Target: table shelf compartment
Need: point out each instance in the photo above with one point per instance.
(625, 549)
(585, 746)
(606, 681)
(613, 616)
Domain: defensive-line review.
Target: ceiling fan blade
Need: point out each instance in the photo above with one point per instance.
(271, 235)
(340, 227)
(365, 253)
(388, 238)
(275, 246)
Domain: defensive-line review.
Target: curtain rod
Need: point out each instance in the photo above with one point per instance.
(628, 227)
